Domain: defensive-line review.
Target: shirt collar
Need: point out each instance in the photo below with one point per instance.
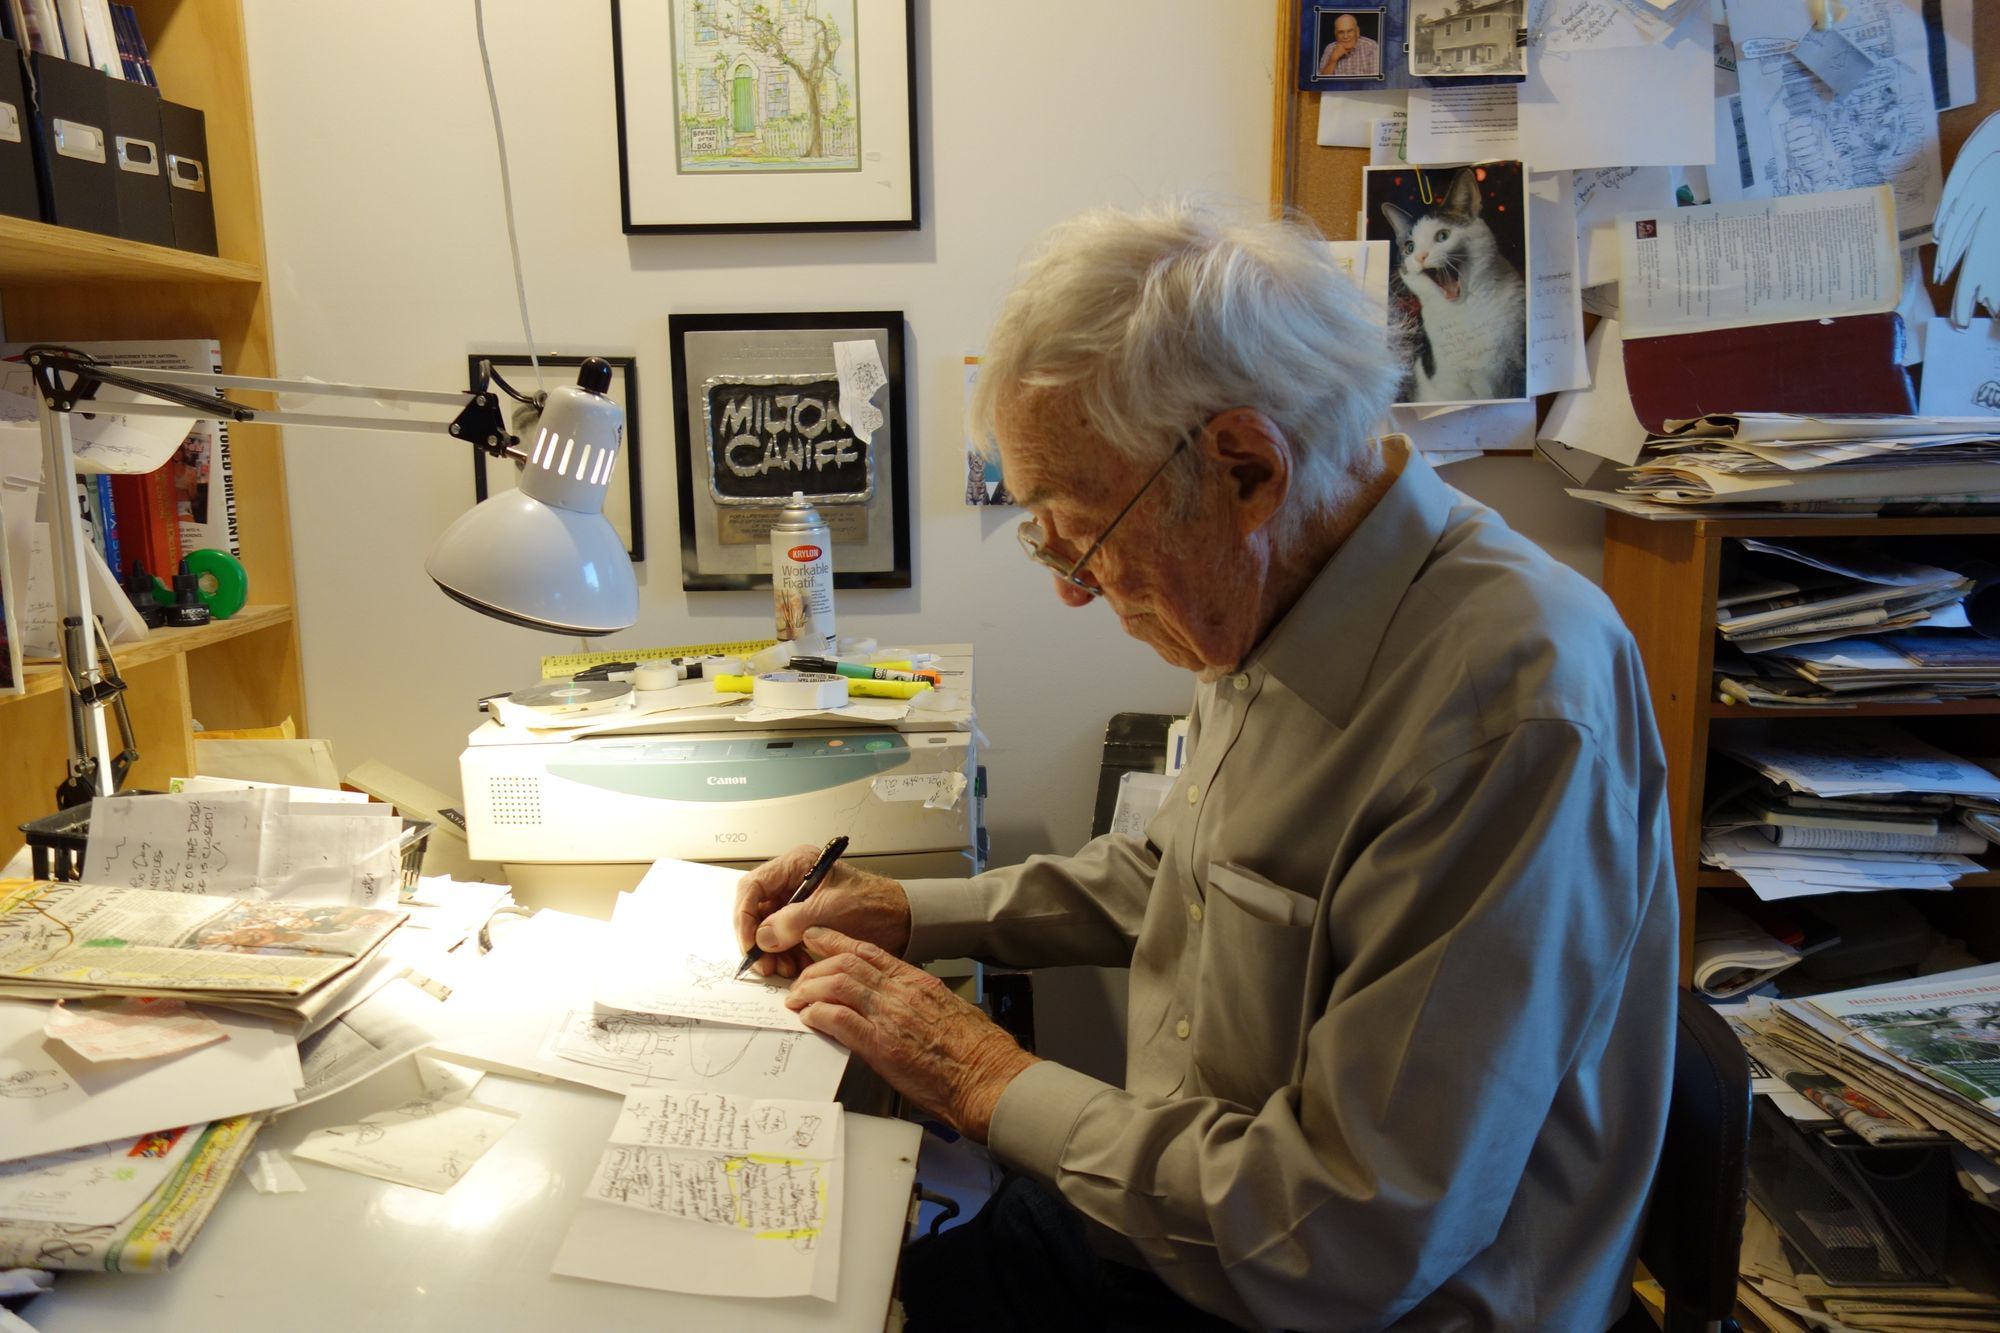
(1351, 599)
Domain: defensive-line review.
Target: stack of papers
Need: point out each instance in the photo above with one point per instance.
(1787, 593)
(1867, 807)
(1778, 460)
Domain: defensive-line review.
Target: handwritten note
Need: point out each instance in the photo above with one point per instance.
(661, 1048)
(430, 1143)
(1555, 319)
(681, 954)
(181, 844)
(722, 1122)
(1601, 195)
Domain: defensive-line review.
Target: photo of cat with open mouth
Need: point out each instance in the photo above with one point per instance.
(1458, 297)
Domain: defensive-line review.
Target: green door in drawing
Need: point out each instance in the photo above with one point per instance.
(746, 116)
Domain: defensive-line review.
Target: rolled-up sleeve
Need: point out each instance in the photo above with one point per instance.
(1481, 937)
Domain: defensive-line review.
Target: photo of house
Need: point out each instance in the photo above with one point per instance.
(1450, 37)
(765, 86)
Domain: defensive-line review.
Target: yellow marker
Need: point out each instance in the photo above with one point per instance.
(866, 689)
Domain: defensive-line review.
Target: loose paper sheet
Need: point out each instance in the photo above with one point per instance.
(1599, 419)
(51, 1101)
(680, 953)
(1727, 266)
(720, 1196)
(1462, 124)
(1600, 197)
(211, 843)
(858, 363)
(132, 1028)
(1367, 262)
(429, 1143)
(1477, 429)
(1961, 370)
(1388, 140)
(1555, 318)
(96, 1185)
(371, 1036)
(1626, 106)
(1345, 119)
(1139, 797)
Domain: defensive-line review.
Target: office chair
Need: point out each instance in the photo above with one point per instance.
(1694, 1226)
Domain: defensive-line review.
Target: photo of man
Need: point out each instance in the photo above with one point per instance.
(1350, 44)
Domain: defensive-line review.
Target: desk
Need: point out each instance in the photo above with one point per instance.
(352, 1252)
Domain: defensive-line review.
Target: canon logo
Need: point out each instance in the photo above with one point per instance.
(805, 555)
(728, 782)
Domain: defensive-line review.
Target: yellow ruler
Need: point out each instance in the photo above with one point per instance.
(563, 665)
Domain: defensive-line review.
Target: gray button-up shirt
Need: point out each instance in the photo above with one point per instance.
(1400, 1017)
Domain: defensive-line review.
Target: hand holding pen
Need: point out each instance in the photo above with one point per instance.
(811, 880)
(778, 901)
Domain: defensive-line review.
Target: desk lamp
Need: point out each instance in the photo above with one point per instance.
(541, 556)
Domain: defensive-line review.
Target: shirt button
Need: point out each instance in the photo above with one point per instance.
(1194, 794)
(1181, 1029)
(1241, 681)
(1194, 911)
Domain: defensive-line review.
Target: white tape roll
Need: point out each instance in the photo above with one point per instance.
(799, 689)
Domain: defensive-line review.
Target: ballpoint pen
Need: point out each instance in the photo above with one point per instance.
(821, 867)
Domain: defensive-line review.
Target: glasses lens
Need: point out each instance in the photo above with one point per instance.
(1029, 533)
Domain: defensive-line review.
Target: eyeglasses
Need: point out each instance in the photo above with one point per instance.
(1035, 542)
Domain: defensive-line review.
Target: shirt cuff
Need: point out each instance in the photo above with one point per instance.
(1036, 1114)
(949, 918)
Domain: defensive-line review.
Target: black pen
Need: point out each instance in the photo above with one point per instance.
(820, 869)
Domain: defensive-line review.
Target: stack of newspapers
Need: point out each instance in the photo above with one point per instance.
(1779, 460)
(100, 1048)
(1911, 1065)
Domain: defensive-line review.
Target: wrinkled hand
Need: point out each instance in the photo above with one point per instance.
(858, 903)
(934, 1048)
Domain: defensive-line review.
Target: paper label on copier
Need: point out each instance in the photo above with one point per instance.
(938, 791)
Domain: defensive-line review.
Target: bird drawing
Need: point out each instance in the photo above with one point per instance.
(1968, 225)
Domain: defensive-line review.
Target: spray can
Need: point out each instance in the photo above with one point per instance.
(802, 576)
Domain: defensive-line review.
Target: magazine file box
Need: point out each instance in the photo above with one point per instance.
(185, 131)
(73, 145)
(20, 196)
(139, 163)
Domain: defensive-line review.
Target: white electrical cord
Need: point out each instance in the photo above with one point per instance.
(507, 192)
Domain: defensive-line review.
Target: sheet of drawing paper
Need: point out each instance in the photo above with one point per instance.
(336, 852)
(428, 1143)
(1345, 118)
(371, 1036)
(51, 1100)
(1599, 419)
(1462, 124)
(1606, 106)
(1555, 316)
(641, 1247)
(1961, 370)
(526, 1007)
(1601, 196)
(132, 1027)
(1728, 266)
(677, 952)
(211, 842)
(96, 1185)
(1799, 136)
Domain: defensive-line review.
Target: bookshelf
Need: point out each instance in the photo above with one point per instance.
(58, 284)
(1662, 574)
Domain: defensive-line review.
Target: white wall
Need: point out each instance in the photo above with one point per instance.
(388, 261)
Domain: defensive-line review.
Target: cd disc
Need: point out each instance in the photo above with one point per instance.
(574, 698)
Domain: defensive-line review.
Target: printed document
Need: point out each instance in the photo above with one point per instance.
(1728, 266)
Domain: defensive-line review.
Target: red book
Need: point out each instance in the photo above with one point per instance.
(1814, 367)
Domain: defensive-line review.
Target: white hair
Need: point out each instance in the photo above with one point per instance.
(1157, 320)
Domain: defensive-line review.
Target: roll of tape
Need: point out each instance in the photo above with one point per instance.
(219, 581)
(656, 676)
(799, 689)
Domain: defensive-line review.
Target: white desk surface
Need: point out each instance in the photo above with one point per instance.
(353, 1252)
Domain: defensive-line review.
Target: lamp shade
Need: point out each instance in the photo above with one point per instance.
(544, 556)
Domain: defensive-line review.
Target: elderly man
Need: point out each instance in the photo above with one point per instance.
(1349, 54)
(1402, 936)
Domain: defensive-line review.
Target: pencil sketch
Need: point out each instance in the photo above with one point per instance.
(765, 87)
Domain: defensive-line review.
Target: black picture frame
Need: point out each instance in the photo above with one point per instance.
(628, 518)
(722, 541)
(703, 176)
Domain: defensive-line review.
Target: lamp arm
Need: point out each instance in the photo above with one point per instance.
(65, 377)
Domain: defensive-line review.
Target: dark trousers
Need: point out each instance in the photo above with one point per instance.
(1023, 1263)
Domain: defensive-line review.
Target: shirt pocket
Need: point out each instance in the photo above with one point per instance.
(1256, 942)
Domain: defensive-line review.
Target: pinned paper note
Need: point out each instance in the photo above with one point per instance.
(1448, 125)
(1555, 319)
(858, 363)
(1839, 63)
(131, 1028)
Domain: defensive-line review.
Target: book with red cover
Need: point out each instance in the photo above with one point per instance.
(1813, 366)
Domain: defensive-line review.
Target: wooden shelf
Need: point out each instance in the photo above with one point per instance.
(36, 253)
(163, 643)
(1727, 712)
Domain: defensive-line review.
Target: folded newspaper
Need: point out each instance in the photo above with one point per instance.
(62, 940)
(149, 1238)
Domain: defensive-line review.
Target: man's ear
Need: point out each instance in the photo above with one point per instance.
(1257, 456)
